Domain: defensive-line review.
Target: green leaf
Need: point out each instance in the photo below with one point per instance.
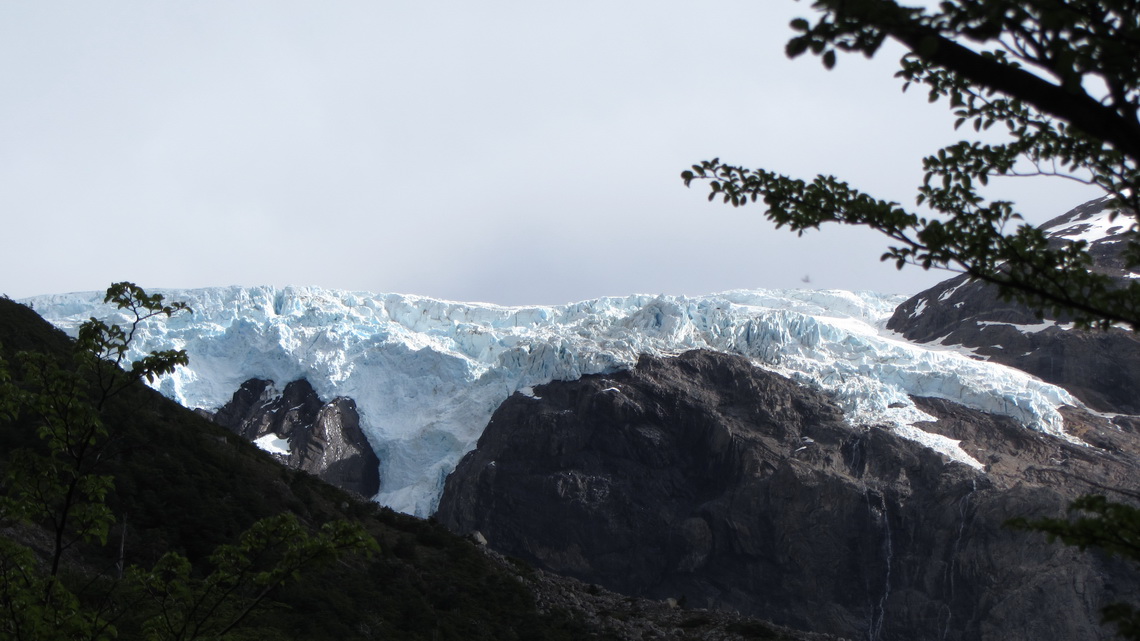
(796, 47)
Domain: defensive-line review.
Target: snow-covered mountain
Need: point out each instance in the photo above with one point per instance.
(427, 374)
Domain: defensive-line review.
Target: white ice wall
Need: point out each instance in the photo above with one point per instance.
(427, 374)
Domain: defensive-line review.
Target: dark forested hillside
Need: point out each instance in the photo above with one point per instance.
(184, 484)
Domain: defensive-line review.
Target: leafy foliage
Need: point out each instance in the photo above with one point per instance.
(99, 342)
(33, 606)
(271, 552)
(1082, 126)
(61, 483)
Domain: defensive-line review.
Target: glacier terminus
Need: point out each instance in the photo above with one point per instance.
(427, 374)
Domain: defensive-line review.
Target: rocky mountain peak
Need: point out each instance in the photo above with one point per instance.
(304, 432)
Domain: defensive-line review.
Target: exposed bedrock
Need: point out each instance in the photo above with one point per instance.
(1102, 368)
(706, 479)
(324, 439)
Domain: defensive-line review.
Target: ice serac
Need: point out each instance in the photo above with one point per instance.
(427, 374)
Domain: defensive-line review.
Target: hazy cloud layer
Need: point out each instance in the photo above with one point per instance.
(507, 152)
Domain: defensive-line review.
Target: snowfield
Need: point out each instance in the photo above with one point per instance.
(427, 374)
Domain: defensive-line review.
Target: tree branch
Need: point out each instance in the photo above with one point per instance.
(1074, 107)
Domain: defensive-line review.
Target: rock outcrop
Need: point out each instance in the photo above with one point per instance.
(1102, 368)
(323, 439)
(708, 480)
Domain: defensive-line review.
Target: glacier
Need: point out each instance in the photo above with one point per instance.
(427, 374)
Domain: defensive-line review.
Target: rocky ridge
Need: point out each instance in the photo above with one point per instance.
(304, 432)
(705, 477)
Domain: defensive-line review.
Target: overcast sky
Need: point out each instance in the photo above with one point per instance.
(515, 152)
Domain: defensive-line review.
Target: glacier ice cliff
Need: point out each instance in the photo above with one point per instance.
(427, 374)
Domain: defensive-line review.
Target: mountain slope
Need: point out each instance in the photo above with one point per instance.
(704, 476)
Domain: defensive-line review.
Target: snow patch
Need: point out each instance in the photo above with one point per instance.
(1096, 227)
(918, 308)
(944, 445)
(950, 292)
(1031, 328)
(273, 444)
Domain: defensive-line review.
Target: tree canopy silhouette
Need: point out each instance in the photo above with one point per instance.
(1061, 77)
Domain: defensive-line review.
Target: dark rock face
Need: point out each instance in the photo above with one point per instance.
(325, 439)
(1100, 368)
(702, 477)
